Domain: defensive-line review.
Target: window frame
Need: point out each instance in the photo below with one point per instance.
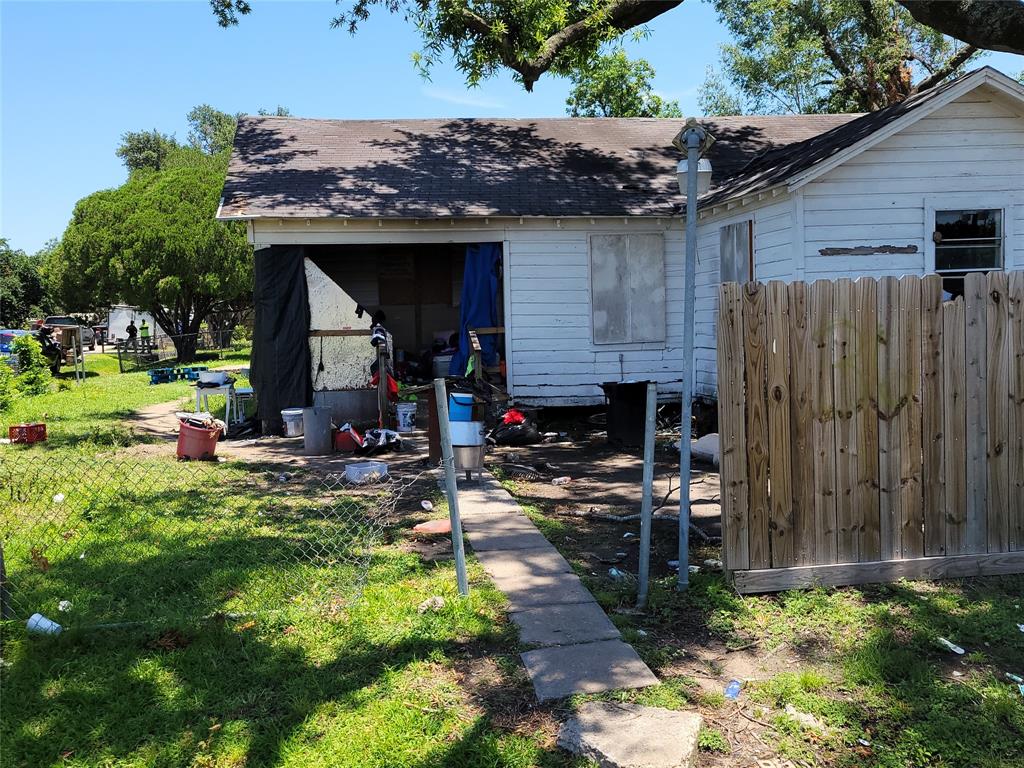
(1001, 201)
(631, 345)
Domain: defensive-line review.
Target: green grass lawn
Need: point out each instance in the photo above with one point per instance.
(869, 665)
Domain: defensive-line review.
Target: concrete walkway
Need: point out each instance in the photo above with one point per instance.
(579, 649)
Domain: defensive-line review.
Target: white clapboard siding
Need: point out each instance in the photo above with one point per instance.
(878, 198)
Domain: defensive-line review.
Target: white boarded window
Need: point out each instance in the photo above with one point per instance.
(736, 252)
(627, 288)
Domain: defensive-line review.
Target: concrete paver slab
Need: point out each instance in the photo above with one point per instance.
(632, 736)
(564, 624)
(516, 538)
(543, 560)
(562, 671)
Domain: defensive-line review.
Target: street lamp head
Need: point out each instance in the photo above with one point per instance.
(703, 176)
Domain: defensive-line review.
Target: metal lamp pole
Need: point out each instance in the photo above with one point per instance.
(695, 139)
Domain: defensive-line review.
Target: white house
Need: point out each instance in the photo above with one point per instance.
(587, 216)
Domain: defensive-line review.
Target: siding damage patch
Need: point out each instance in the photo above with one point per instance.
(868, 250)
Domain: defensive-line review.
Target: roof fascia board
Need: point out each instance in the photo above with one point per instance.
(985, 76)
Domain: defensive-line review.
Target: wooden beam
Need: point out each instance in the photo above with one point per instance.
(950, 567)
(488, 330)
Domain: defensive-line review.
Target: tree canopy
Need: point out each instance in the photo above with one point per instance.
(613, 85)
(154, 242)
(827, 56)
(22, 288)
(532, 37)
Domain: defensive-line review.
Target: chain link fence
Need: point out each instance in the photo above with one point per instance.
(142, 354)
(91, 540)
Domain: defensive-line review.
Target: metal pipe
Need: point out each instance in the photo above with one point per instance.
(451, 484)
(693, 137)
(648, 491)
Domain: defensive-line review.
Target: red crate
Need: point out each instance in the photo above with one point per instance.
(27, 433)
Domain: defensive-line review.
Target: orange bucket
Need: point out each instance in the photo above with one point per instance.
(196, 442)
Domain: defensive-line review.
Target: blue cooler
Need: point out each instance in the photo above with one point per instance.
(460, 406)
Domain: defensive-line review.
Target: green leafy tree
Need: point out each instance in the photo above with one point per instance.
(211, 130)
(531, 37)
(154, 243)
(715, 97)
(22, 286)
(145, 149)
(8, 386)
(279, 112)
(34, 377)
(613, 85)
(827, 56)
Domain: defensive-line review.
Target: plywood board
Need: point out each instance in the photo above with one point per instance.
(755, 362)
(780, 523)
(823, 423)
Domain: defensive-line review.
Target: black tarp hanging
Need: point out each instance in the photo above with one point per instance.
(280, 367)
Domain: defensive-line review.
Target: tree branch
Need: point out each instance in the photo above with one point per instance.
(946, 69)
(995, 25)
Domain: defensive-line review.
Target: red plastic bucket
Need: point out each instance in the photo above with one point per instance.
(196, 442)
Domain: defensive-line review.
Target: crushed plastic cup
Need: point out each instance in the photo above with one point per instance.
(732, 690)
(40, 625)
(951, 646)
(561, 480)
(427, 505)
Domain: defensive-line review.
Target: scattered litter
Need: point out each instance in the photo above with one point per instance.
(40, 625)
(951, 646)
(1015, 678)
(565, 480)
(628, 535)
(64, 606)
(5, 664)
(732, 691)
(864, 742)
(616, 574)
(620, 554)
(427, 505)
(641, 633)
(435, 604)
(58, 498)
(284, 477)
(694, 569)
(805, 719)
(957, 673)
(1020, 687)
(673, 564)
(714, 565)
(82, 556)
(1020, 627)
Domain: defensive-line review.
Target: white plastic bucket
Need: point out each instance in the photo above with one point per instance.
(292, 422)
(406, 413)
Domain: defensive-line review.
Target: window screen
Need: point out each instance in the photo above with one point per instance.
(736, 253)
(627, 280)
(968, 240)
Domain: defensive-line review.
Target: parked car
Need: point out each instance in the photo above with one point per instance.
(88, 334)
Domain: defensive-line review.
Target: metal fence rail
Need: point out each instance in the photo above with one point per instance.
(115, 539)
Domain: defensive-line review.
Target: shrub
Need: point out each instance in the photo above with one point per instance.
(8, 387)
(35, 376)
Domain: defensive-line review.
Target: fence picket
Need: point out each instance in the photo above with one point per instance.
(754, 337)
(823, 424)
(801, 352)
(866, 300)
(845, 381)
(779, 446)
(997, 378)
(889, 408)
(976, 436)
(1016, 420)
(954, 424)
(732, 429)
(932, 429)
(911, 511)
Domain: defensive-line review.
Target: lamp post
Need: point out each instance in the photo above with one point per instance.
(694, 177)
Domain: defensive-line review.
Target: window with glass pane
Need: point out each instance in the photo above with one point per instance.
(967, 241)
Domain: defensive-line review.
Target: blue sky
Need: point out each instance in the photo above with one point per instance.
(75, 75)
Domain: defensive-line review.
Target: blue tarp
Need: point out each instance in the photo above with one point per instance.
(479, 304)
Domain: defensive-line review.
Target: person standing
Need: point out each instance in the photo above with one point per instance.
(133, 334)
(144, 335)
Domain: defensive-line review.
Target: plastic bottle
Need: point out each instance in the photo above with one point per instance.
(732, 691)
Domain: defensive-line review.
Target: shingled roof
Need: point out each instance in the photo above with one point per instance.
(286, 167)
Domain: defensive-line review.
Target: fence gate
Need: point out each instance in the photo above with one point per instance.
(871, 431)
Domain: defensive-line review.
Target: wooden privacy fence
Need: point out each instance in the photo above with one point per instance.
(870, 431)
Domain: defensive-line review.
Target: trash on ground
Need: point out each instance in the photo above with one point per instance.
(565, 480)
(673, 564)
(1014, 678)
(864, 742)
(957, 673)
(620, 554)
(1020, 627)
(58, 498)
(714, 565)
(435, 604)
(641, 633)
(40, 625)
(628, 535)
(64, 606)
(284, 477)
(805, 719)
(434, 526)
(951, 646)
(427, 505)
(694, 569)
(616, 574)
(732, 690)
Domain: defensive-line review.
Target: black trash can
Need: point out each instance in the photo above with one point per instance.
(627, 413)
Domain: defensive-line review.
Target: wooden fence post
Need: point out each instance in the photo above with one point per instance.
(754, 336)
(732, 429)
(779, 447)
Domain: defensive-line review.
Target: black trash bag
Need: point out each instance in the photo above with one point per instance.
(377, 441)
(515, 434)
